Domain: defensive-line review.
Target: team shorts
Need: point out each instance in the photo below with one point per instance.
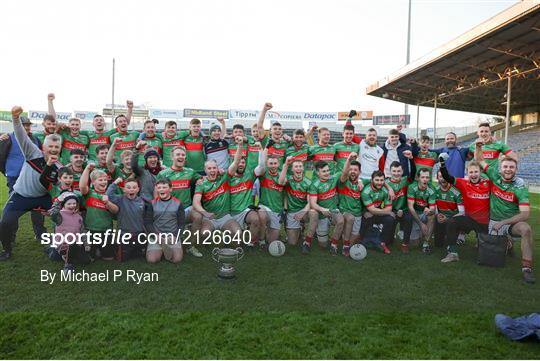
(416, 232)
(273, 217)
(356, 226)
(324, 224)
(220, 222)
(240, 218)
(292, 223)
(505, 230)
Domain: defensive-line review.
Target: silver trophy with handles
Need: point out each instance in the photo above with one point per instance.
(226, 258)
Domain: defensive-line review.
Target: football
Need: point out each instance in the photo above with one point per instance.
(358, 252)
(276, 248)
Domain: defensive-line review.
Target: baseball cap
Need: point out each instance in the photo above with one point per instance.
(25, 120)
(215, 126)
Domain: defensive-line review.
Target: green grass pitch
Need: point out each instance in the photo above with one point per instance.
(316, 306)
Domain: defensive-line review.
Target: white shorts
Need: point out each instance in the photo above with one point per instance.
(356, 226)
(220, 222)
(505, 230)
(240, 218)
(273, 217)
(322, 227)
(416, 232)
(292, 223)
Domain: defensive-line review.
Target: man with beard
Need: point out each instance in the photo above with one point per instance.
(147, 174)
(299, 149)
(346, 147)
(449, 203)
(212, 196)
(421, 204)
(509, 207)
(350, 201)
(296, 191)
(457, 156)
(28, 192)
(50, 126)
(128, 139)
(271, 201)
(182, 179)
(475, 191)
(240, 188)
(378, 210)
(151, 140)
(11, 162)
(370, 154)
(399, 185)
(323, 198)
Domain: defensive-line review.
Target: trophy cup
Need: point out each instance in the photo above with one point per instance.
(227, 257)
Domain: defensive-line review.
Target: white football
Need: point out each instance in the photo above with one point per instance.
(276, 248)
(358, 252)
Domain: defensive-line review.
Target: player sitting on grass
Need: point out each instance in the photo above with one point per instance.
(350, 201)
(509, 207)
(212, 196)
(296, 191)
(421, 203)
(378, 210)
(168, 223)
(240, 186)
(323, 198)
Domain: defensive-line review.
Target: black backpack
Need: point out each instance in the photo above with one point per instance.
(492, 250)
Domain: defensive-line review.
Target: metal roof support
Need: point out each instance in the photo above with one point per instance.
(434, 120)
(508, 99)
(417, 121)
